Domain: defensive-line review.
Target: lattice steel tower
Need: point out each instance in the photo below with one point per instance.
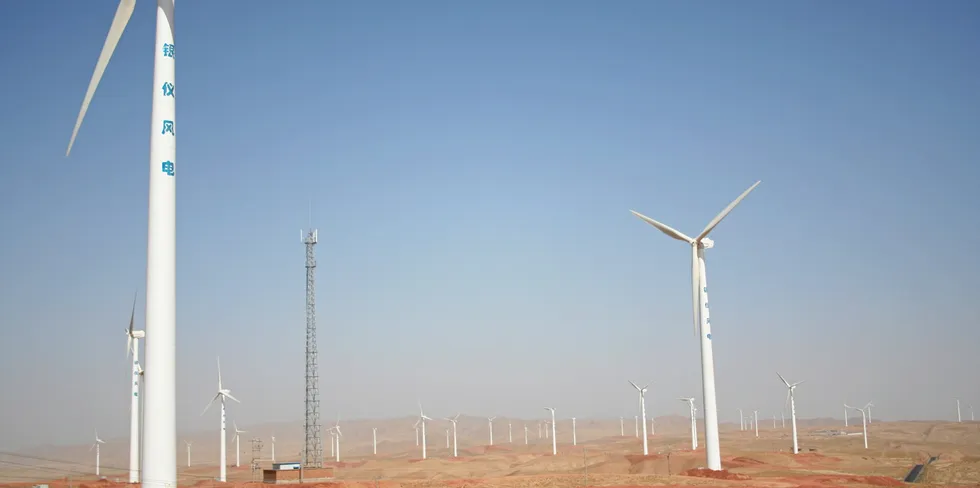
(313, 449)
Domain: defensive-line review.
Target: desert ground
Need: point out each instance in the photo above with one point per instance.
(601, 458)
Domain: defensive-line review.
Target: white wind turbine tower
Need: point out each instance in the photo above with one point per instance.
(374, 439)
(525, 434)
(694, 423)
(864, 423)
(622, 432)
(273, 448)
(959, 418)
(490, 422)
(554, 439)
(868, 408)
(636, 426)
(416, 427)
(756, 422)
(510, 433)
(782, 417)
(845, 415)
(643, 413)
(454, 420)
(702, 322)
(971, 412)
(160, 435)
(741, 419)
(340, 434)
(238, 446)
(188, 453)
(447, 437)
(133, 350)
(222, 394)
(333, 442)
(791, 399)
(422, 419)
(574, 434)
(96, 445)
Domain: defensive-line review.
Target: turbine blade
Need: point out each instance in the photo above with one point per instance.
(123, 12)
(784, 379)
(797, 383)
(129, 342)
(666, 229)
(696, 290)
(209, 403)
(132, 314)
(718, 218)
(219, 372)
(634, 386)
(228, 394)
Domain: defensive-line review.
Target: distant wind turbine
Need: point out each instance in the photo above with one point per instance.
(374, 437)
(221, 395)
(636, 426)
(525, 434)
(864, 423)
(791, 399)
(98, 442)
(238, 447)
(188, 453)
(416, 427)
(273, 448)
(845, 415)
(643, 414)
(574, 434)
(702, 322)
(694, 423)
(510, 433)
(133, 350)
(339, 435)
(554, 440)
(490, 422)
(454, 420)
(959, 418)
(622, 432)
(447, 437)
(422, 419)
(756, 422)
(741, 419)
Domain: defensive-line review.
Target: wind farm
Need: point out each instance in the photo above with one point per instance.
(477, 188)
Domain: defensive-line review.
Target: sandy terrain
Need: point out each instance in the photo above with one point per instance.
(602, 458)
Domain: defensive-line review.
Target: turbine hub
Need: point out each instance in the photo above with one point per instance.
(707, 243)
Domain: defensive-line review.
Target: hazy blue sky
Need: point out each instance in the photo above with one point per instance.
(472, 166)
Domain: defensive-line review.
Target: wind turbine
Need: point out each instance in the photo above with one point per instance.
(454, 420)
(525, 434)
(422, 419)
(554, 440)
(447, 437)
(273, 448)
(238, 447)
(188, 453)
(756, 422)
(222, 394)
(510, 433)
(845, 415)
(971, 412)
(133, 350)
(490, 422)
(340, 434)
(333, 443)
(702, 322)
(96, 445)
(622, 432)
(864, 422)
(959, 418)
(416, 427)
(694, 423)
(636, 426)
(374, 438)
(160, 436)
(791, 399)
(741, 419)
(868, 407)
(643, 413)
(574, 435)
(782, 417)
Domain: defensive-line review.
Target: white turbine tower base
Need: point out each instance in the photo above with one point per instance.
(188, 452)
(159, 458)
(791, 399)
(702, 323)
(221, 395)
(422, 419)
(490, 422)
(454, 420)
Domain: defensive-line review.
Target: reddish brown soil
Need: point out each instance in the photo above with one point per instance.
(639, 458)
(718, 475)
(838, 480)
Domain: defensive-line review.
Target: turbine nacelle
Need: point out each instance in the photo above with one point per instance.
(707, 243)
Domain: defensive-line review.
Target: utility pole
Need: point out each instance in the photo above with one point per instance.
(313, 450)
(256, 455)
